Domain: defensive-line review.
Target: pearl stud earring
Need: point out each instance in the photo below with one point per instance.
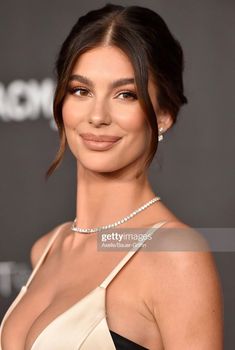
(160, 132)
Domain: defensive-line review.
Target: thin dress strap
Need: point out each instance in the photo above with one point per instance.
(128, 256)
(44, 254)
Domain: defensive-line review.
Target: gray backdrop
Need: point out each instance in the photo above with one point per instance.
(194, 168)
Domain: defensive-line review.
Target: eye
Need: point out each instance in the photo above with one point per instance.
(128, 95)
(78, 91)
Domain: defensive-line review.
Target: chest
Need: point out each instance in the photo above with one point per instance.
(60, 289)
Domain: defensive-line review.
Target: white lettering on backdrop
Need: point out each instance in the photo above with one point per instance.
(12, 276)
(22, 100)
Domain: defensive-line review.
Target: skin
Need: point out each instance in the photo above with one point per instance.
(194, 321)
(165, 300)
(109, 177)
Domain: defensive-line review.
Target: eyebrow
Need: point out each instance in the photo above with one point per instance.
(113, 84)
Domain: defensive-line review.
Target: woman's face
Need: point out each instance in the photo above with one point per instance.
(102, 100)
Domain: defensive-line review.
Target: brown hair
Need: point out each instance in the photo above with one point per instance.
(145, 38)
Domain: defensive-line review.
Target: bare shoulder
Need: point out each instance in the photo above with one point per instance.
(181, 249)
(40, 244)
(185, 295)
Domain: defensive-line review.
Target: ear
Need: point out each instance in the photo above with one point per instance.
(164, 120)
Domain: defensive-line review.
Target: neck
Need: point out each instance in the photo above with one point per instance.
(103, 198)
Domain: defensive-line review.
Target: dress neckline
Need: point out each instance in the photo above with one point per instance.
(100, 288)
(103, 285)
(64, 313)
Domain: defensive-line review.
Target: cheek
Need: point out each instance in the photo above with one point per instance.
(134, 123)
(74, 112)
(136, 127)
(69, 115)
(71, 120)
(130, 119)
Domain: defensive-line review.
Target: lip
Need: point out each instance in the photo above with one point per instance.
(99, 138)
(99, 145)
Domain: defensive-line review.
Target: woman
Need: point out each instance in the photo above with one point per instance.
(119, 86)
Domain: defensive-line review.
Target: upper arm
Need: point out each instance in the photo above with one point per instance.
(186, 300)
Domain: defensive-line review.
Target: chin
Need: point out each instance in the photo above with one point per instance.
(99, 166)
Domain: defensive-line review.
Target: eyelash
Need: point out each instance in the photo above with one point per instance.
(132, 94)
(75, 89)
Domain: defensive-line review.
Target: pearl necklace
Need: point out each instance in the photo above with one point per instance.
(128, 217)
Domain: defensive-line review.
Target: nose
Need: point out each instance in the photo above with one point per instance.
(99, 113)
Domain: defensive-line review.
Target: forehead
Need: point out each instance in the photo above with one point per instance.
(104, 60)
(108, 63)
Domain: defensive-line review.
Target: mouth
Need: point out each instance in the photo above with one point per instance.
(103, 138)
(99, 145)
